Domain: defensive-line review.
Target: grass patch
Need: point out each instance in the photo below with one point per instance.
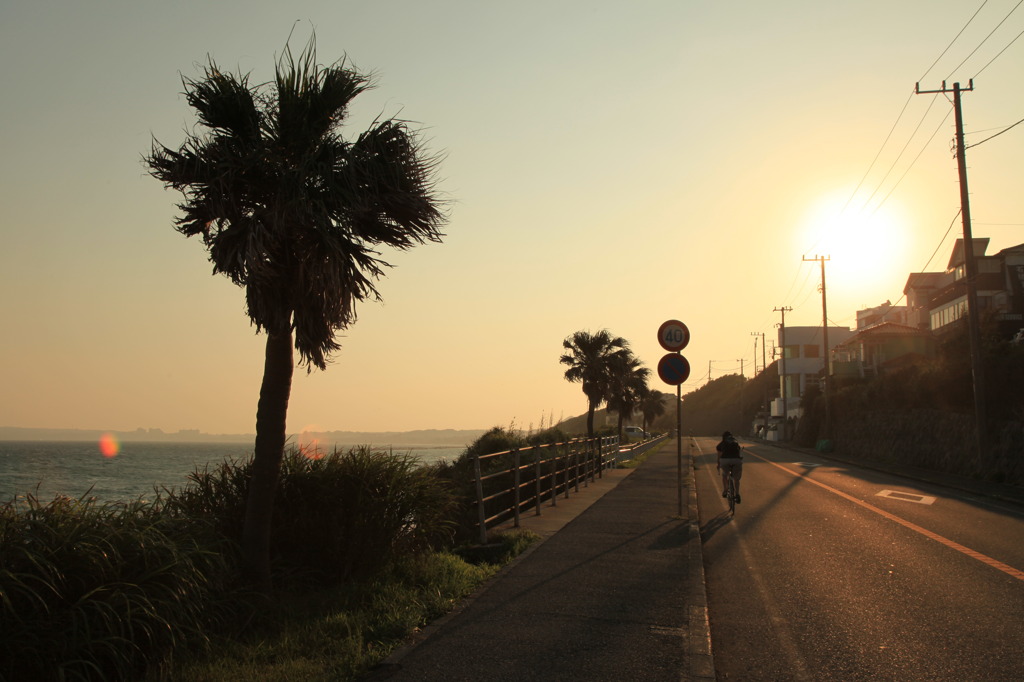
(341, 633)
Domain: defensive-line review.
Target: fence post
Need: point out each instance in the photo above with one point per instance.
(480, 500)
(554, 480)
(589, 468)
(536, 481)
(567, 466)
(515, 482)
(574, 448)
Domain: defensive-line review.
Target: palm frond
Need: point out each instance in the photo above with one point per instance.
(224, 102)
(289, 209)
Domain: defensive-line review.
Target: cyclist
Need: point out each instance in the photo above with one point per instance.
(730, 459)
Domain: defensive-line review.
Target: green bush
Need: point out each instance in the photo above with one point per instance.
(348, 515)
(343, 515)
(98, 591)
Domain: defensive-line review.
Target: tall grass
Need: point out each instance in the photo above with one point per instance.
(145, 590)
(99, 591)
(337, 517)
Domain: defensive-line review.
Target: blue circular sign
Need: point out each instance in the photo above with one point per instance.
(674, 369)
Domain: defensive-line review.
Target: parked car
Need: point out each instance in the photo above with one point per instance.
(635, 433)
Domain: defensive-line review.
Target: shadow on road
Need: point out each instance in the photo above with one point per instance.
(709, 528)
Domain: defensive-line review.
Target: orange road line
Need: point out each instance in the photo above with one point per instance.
(994, 563)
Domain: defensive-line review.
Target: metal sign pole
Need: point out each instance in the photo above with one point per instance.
(679, 445)
(674, 369)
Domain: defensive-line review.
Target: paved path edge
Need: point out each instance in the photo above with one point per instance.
(699, 655)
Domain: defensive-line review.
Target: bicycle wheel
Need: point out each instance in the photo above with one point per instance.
(732, 495)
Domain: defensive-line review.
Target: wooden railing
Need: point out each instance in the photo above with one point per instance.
(512, 482)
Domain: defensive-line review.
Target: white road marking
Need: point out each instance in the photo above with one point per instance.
(906, 497)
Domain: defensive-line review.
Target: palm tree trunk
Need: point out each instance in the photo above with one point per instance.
(591, 407)
(271, 419)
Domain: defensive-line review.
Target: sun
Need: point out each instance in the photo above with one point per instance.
(866, 249)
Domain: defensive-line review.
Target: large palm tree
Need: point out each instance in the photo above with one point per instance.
(588, 357)
(291, 211)
(628, 383)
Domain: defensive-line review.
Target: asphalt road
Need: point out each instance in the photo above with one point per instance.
(832, 572)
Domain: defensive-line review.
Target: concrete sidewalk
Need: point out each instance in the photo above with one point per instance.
(615, 591)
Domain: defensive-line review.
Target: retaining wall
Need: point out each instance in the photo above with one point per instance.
(930, 439)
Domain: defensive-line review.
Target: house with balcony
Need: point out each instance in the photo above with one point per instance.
(881, 348)
(938, 300)
(890, 337)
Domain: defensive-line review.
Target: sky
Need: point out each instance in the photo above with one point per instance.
(607, 165)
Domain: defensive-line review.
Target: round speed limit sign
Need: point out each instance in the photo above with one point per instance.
(673, 335)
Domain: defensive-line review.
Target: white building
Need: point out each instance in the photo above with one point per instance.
(802, 363)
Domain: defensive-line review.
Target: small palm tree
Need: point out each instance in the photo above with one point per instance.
(589, 358)
(652, 406)
(291, 211)
(628, 383)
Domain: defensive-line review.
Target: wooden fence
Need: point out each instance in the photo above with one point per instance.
(512, 482)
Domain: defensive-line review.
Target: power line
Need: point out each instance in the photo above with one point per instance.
(902, 111)
(900, 155)
(1000, 53)
(913, 163)
(930, 258)
(996, 135)
(807, 276)
(942, 241)
(957, 36)
(986, 40)
(888, 137)
(878, 153)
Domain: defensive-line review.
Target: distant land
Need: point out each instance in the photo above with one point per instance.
(424, 438)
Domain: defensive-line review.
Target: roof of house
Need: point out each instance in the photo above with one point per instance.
(980, 245)
(884, 329)
(923, 280)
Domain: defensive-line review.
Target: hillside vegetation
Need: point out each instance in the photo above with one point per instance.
(921, 415)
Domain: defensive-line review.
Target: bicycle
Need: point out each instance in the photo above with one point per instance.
(730, 489)
(730, 492)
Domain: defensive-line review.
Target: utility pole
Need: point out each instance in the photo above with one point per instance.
(785, 397)
(754, 334)
(742, 375)
(826, 381)
(764, 366)
(970, 266)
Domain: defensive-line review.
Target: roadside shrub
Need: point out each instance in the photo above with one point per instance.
(343, 515)
(349, 514)
(98, 591)
(497, 439)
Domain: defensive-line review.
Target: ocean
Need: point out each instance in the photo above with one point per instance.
(112, 471)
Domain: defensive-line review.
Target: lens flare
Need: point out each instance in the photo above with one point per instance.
(309, 443)
(109, 445)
